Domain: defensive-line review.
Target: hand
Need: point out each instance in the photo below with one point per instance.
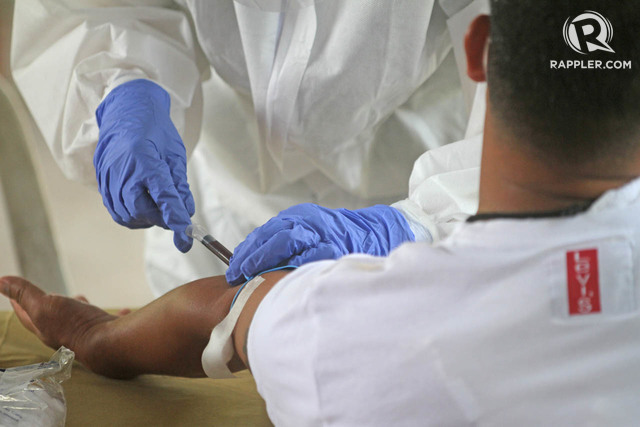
(141, 162)
(54, 319)
(166, 336)
(308, 232)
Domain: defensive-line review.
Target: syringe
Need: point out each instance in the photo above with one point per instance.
(197, 232)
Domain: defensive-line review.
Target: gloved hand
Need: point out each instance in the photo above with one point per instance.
(307, 232)
(141, 162)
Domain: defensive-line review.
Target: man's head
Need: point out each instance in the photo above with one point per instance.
(579, 116)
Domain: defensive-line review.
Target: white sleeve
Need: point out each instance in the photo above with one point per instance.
(282, 349)
(65, 59)
(335, 342)
(443, 189)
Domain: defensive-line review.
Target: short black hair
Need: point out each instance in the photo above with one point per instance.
(575, 115)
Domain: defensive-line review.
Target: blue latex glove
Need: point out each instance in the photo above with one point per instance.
(307, 232)
(141, 162)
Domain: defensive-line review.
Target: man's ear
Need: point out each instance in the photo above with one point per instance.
(475, 42)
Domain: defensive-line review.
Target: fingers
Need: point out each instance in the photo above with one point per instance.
(117, 177)
(24, 293)
(107, 198)
(178, 168)
(126, 198)
(321, 252)
(25, 299)
(81, 298)
(25, 319)
(140, 190)
(141, 209)
(278, 250)
(153, 201)
(252, 244)
(174, 213)
(259, 237)
(163, 204)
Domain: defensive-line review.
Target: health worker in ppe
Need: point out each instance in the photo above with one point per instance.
(274, 102)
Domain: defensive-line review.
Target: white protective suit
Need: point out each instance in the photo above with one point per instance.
(504, 322)
(291, 101)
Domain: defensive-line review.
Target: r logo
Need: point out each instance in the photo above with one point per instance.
(588, 32)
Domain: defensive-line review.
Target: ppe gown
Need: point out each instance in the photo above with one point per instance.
(277, 102)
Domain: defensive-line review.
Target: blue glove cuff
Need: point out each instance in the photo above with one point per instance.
(391, 228)
(131, 90)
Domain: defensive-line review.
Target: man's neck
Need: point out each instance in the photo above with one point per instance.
(513, 179)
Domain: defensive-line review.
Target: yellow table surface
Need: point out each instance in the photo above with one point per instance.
(149, 400)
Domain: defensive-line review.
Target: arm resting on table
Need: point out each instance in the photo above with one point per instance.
(165, 337)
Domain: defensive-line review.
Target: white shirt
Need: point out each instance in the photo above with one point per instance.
(482, 328)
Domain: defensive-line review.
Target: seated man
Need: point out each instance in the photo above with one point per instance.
(527, 313)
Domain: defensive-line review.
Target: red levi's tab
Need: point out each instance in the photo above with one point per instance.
(583, 282)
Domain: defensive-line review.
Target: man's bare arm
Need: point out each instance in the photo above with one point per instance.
(166, 337)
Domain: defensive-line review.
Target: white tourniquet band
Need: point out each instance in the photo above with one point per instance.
(219, 351)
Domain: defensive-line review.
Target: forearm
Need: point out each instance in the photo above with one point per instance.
(165, 337)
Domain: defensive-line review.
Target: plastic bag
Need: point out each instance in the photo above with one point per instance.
(32, 395)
